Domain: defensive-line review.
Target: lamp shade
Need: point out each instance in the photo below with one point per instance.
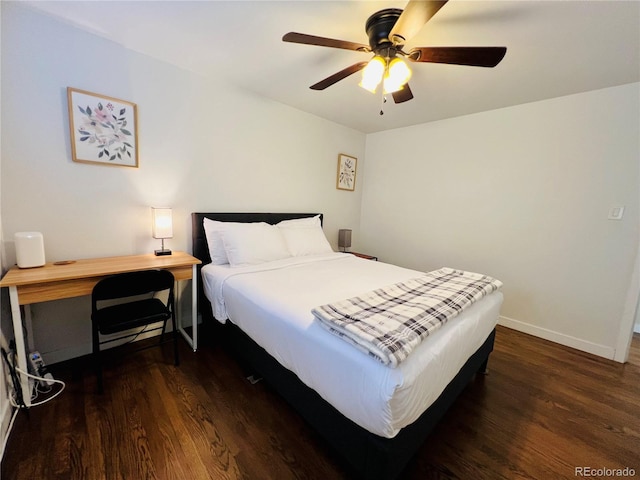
(162, 223)
(344, 238)
(397, 75)
(372, 73)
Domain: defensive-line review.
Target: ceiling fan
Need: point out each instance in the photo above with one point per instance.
(388, 31)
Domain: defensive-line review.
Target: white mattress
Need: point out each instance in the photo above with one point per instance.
(272, 304)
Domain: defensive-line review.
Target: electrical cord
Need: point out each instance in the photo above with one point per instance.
(16, 400)
(133, 335)
(19, 400)
(35, 377)
(17, 388)
(144, 329)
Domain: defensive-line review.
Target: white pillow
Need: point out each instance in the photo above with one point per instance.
(252, 243)
(305, 240)
(299, 222)
(213, 231)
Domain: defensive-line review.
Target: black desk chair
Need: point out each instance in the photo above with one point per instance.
(135, 313)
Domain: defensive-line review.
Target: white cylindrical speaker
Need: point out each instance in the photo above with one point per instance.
(29, 249)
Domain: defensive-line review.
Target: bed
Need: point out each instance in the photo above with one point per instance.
(374, 416)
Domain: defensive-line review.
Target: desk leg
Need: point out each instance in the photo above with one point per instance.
(194, 306)
(20, 346)
(193, 339)
(28, 326)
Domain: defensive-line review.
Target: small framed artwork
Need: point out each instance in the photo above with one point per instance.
(104, 130)
(346, 172)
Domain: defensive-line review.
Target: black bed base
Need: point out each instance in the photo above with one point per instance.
(370, 456)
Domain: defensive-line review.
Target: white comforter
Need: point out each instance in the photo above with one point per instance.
(272, 303)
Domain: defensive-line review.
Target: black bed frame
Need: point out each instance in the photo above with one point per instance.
(370, 456)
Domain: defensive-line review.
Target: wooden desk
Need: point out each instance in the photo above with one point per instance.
(54, 282)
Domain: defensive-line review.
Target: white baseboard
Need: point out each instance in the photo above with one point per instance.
(636, 328)
(76, 351)
(6, 410)
(65, 354)
(561, 338)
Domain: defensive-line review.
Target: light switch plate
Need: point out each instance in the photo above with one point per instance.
(616, 213)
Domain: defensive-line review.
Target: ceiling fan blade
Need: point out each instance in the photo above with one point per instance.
(472, 56)
(413, 18)
(303, 38)
(336, 77)
(403, 95)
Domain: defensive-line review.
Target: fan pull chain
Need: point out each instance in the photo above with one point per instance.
(383, 100)
(386, 72)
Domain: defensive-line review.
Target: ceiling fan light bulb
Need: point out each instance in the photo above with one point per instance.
(372, 74)
(393, 84)
(399, 71)
(390, 86)
(369, 87)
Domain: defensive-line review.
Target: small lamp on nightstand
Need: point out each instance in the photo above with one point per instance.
(162, 226)
(344, 239)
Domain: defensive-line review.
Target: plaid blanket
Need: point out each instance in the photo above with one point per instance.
(388, 323)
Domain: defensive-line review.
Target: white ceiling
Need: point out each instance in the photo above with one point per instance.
(554, 48)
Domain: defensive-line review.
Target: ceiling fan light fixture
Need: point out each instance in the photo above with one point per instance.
(372, 73)
(388, 31)
(396, 76)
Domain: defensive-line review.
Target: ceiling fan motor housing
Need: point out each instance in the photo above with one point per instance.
(379, 26)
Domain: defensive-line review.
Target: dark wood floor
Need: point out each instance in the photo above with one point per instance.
(541, 412)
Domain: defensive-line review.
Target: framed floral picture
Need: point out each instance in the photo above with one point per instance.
(346, 172)
(104, 130)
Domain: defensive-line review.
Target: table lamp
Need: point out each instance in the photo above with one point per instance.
(162, 225)
(344, 239)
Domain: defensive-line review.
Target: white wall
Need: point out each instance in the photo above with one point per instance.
(523, 194)
(533, 183)
(204, 146)
(5, 407)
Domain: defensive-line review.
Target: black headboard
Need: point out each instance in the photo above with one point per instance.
(199, 240)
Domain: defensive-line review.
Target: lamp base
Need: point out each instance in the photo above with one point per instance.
(164, 251)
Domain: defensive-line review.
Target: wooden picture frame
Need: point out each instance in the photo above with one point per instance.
(104, 130)
(346, 178)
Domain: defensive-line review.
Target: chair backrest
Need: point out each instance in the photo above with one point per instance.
(130, 284)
